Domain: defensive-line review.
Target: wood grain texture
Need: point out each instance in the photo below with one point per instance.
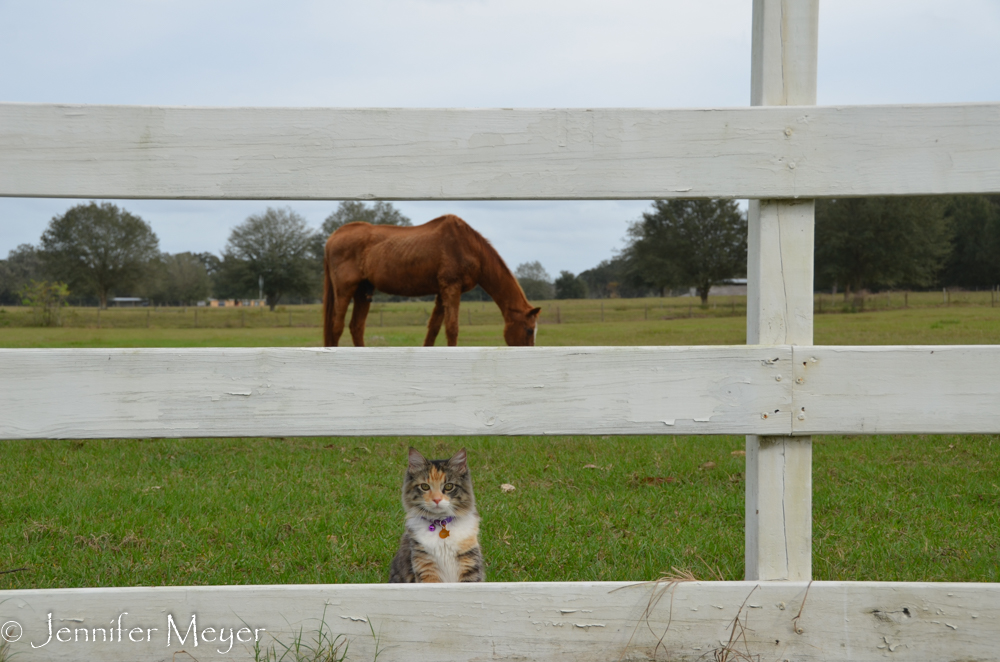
(110, 393)
(780, 272)
(778, 504)
(578, 622)
(125, 393)
(51, 150)
(784, 52)
(904, 390)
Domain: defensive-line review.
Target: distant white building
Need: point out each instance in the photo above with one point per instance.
(734, 287)
(127, 302)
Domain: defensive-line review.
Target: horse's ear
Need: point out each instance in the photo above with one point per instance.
(534, 312)
(417, 461)
(458, 461)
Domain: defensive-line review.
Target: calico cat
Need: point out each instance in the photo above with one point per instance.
(440, 540)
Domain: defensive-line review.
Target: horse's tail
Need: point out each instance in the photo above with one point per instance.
(327, 303)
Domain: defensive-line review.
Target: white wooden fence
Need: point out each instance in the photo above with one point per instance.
(779, 389)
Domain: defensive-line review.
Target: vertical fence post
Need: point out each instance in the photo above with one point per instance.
(780, 299)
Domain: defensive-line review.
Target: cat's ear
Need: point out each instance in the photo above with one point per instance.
(457, 462)
(417, 461)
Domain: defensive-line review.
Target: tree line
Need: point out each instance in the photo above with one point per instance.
(862, 244)
(99, 250)
(96, 251)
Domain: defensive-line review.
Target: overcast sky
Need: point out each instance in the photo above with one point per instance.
(462, 53)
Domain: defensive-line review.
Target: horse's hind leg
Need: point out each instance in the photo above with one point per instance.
(434, 323)
(362, 302)
(341, 300)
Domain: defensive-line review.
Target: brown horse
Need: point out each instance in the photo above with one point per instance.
(444, 257)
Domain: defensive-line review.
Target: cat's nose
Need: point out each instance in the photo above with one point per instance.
(437, 500)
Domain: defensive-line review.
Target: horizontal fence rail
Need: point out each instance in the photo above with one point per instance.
(92, 393)
(571, 622)
(902, 389)
(55, 150)
(783, 390)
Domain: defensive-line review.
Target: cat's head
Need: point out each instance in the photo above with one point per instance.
(438, 488)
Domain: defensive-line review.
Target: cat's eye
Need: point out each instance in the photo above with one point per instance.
(448, 487)
(425, 487)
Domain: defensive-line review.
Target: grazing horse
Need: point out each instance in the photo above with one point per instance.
(444, 257)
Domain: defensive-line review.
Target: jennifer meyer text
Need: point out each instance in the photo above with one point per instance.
(172, 632)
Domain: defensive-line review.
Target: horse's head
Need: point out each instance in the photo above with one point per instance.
(519, 327)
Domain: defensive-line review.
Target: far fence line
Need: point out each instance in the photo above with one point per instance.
(482, 313)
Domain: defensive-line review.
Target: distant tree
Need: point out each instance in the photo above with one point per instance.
(211, 262)
(879, 242)
(98, 249)
(23, 265)
(974, 260)
(180, 278)
(476, 294)
(46, 300)
(275, 245)
(687, 242)
(606, 279)
(535, 281)
(234, 278)
(569, 286)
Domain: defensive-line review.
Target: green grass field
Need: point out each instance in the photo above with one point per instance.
(968, 319)
(259, 511)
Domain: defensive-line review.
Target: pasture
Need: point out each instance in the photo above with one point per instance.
(274, 510)
(966, 318)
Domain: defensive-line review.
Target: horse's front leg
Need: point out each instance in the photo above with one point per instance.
(434, 323)
(452, 298)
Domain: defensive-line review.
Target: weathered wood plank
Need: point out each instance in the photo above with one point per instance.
(778, 504)
(51, 150)
(906, 389)
(578, 622)
(122, 393)
(98, 393)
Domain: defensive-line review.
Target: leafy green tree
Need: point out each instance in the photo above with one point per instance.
(879, 242)
(274, 245)
(181, 278)
(569, 286)
(535, 281)
(46, 300)
(604, 280)
(696, 243)
(98, 249)
(23, 265)
(974, 260)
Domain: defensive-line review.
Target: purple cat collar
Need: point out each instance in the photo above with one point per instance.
(434, 523)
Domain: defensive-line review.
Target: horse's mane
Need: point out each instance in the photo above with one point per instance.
(495, 270)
